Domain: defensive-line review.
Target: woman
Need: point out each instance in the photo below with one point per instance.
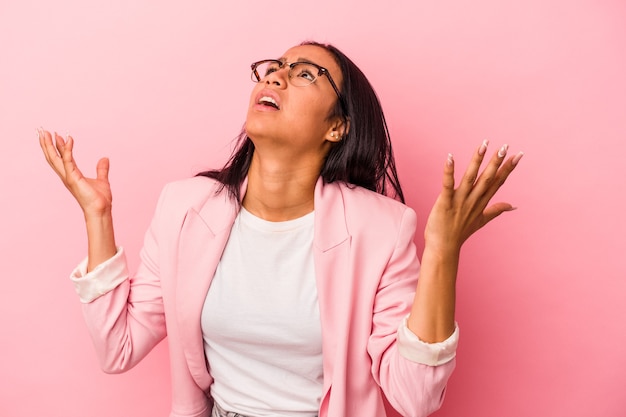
(287, 281)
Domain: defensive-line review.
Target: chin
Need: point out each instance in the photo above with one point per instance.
(256, 131)
(259, 126)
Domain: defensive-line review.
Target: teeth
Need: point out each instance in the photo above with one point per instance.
(269, 100)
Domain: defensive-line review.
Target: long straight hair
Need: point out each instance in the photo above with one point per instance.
(363, 157)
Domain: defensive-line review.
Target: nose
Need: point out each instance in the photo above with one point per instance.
(278, 78)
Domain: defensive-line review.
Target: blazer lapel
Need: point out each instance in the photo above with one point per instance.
(332, 254)
(203, 236)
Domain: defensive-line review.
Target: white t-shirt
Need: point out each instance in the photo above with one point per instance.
(260, 321)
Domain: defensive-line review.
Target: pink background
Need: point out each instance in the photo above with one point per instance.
(161, 88)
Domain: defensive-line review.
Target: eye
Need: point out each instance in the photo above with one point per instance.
(305, 71)
(270, 67)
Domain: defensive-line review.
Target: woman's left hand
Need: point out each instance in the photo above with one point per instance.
(460, 212)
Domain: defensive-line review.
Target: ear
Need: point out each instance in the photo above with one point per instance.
(338, 130)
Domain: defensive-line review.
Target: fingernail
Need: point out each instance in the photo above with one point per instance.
(517, 158)
(450, 160)
(483, 147)
(503, 150)
(38, 133)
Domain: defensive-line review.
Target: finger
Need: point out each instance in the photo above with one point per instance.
(41, 136)
(495, 210)
(59, 143)
(491, 179)
(487, 214)
(45, 141)
(500, 177)
(448, 177)
(471, 173)
(66, 147)
(72, 174)
(102, 169)
(51, 153)
(62, 148)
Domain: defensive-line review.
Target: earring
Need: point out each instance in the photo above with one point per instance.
(333, 134)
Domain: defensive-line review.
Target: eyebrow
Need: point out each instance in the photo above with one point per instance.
(299, 59)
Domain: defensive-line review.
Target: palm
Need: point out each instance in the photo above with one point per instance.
(92, 194)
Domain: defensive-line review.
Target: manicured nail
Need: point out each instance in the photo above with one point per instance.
(38, 133)
(503, 150)
(483, 147)
(516, 158)
(450, 161)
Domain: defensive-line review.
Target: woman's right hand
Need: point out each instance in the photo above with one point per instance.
(92, 194)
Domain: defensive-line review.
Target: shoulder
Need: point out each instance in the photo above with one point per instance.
(190, 190)
(178, 197)
(361, 200)
(368, 211)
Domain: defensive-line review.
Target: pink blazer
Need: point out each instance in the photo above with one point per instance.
(366, 271)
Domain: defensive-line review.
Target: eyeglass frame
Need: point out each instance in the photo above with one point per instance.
(321, 71)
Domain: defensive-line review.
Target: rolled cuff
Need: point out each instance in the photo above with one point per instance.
(433, 354)
(102, 279)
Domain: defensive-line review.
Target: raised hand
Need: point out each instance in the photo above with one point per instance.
(92, 194)
(456, 215)
(460, 212)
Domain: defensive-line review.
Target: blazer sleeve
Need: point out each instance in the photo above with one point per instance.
(124, 314)
(412, 374)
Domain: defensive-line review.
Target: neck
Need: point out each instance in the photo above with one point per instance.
(278, 190)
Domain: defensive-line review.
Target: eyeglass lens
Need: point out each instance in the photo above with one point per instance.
(300, 74)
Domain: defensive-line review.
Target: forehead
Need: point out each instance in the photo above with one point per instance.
(316, 55)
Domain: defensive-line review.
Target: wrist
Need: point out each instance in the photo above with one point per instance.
(100, 238)
(97, 215)
(442, 250)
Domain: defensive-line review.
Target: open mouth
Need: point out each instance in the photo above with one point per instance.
(268, 101)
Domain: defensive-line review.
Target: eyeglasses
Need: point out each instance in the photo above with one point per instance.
(300, 74)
